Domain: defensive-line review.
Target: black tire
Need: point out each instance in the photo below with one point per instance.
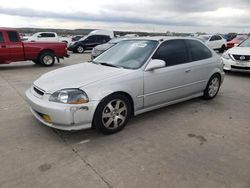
(47, 59)
(222, 49)
(79, 49)
(109, 122)
(213, 87)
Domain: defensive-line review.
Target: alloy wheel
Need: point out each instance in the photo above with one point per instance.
(114, 114)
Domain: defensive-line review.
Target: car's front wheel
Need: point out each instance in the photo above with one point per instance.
(213, 87)
(112, 114)
(79, 49)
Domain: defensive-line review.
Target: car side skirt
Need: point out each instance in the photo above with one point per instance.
(168, 103)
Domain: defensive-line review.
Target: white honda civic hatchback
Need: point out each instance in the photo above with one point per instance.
(133, 77)
(238, 58)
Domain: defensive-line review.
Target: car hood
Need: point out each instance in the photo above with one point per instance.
(76, 76)
(234, 41)
(239, 51)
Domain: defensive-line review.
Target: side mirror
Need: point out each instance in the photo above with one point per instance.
(39, 36)
(155, 64)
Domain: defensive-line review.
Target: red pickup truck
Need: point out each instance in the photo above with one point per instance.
(12, 49)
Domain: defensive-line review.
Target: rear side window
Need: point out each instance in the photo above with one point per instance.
(198, 51)
(13, 36)
(1, 37)
(173, 52)
(91, 38)
(102, 38)
(47, 35)
(218, 37)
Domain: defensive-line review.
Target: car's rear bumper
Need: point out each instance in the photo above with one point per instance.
(61, 116)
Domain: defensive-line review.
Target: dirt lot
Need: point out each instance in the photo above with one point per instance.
(189, 145)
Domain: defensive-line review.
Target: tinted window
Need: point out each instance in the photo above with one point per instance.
(91, 39)
(45, 35)
(13, 36)
(218, 37)
(173, 52)
(197, 50)
(213, 38)
(1, 37)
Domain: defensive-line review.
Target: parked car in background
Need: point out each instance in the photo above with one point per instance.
(12, 49)
(47, 36)
(88, 43)
(230, 36)
(236, 41)
(96, 51)
(132, 77)
(215, 42)
(102, 32)
(77, 37)
(238, 58)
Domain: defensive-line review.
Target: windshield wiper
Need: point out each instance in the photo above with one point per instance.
(107, 64)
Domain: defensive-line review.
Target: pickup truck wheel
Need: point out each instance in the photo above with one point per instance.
(47, 59)
(79, 49)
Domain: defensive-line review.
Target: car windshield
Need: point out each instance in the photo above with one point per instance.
(204, 38)
(130, 54)
(246, 43)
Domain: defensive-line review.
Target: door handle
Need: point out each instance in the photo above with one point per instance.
(3, 46)
(188, 70)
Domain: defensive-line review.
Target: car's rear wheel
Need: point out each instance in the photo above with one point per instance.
(79, 49)
(222, 49)
(112, 114)
(213, 87)
(47, 59)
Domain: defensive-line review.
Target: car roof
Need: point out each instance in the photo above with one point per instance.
(161, 38)
(7, 29)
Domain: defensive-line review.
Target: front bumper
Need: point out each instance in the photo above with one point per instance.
(71, 48)
(239, 66)
(63, 116)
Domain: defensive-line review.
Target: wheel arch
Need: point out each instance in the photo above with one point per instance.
(45, 50)
(127, 95)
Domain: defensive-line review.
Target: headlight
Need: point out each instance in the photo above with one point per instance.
(226, 55)
(69, 96)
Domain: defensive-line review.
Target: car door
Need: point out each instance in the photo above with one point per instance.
(220, 41)
(90, 42)
(213, 43)
(199, 68)
(15, 46)
(167, 84)
(4, 50)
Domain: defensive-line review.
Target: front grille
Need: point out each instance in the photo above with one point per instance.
(242, 57)
(38, 91)
(240, 68)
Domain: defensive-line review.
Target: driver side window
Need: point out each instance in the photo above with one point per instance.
(173, 52)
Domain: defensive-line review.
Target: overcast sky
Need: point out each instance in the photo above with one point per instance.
(211, 16)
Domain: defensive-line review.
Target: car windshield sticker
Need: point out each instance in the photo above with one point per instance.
(140, 45)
